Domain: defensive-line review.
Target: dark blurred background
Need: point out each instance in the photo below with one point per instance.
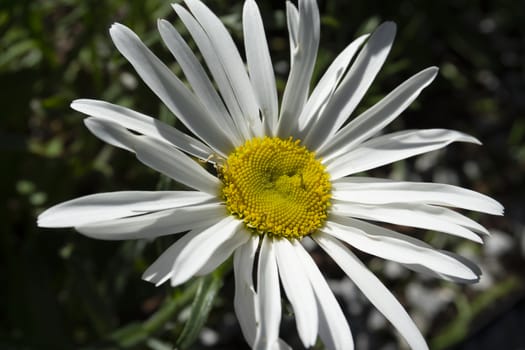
(60, 290)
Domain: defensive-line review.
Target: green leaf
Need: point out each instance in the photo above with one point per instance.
(136, 333)
(200, 308)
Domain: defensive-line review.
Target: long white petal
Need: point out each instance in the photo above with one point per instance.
(231, 61)
(114, 205)
(326, 87)
(378, 116)
(245, 299)
(413, 215)
(154, 224)
(197, 252)
(164, 158)
(170, 89)
(333, 327)
(281, 345)
(304, 54)
(391, 245)
(354, 85)
(433, 273)
(269, 305)
(374, 290)
(211, 57)
(161, 269)
(370, 190)
(260, 64)
(298, 290)
(112, 136)
(142, 124)
(224, 251)
(292, 21)
(198, 79)
(175, 164)
(390, 148)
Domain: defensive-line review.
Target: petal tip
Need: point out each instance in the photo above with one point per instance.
(433, 70)
(48, 219)
(500, 209)
(147, 276)
(389, 27)
(152, 277)
(78, 103)
(116, 26)
(468, 138)
(476, 141)
(119, 32)
(41, 222)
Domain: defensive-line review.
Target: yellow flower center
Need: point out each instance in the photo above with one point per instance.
(277, 187)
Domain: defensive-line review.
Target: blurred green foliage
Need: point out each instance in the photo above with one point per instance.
(62, 290)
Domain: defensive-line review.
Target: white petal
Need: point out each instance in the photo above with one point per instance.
(170, 89)
(391, 245)
(298, 290)
(378, 116)
(259, 63)
(374, 290)
(390, 148)
(269, 306)
(111, 135)
(216, 69)
(281, 345)
(413, 215)
(175, 164)
(382, 191)
(432, 273)
(115, 205)
(245, 299)
(161, 270)
(198, 79)
(225, 250)
(326, 87)
(457, 218)
(199, 250)
(292, 21)
(142, 124)
(154, 224)
(185, 257)
(164, 158)
(231, 61)
(304, 54)
(333, 327)
(354, 85)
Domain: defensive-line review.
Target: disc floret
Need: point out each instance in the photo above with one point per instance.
(277, 187)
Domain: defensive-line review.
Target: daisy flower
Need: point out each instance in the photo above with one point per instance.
(281, 174)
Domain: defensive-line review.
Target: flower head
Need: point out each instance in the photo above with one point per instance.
(284, 173)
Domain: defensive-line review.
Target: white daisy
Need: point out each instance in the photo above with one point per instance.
(281, 174)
